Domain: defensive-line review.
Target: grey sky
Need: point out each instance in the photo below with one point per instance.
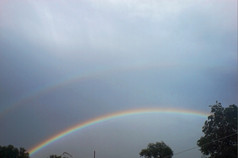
(63, 62)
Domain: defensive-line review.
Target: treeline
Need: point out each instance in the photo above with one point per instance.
(11, 152)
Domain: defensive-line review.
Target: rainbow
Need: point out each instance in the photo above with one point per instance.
(110, 116)
(41, 91)
(73, 79)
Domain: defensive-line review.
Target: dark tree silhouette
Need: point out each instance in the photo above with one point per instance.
(220, 139)
(157, 150)
(55, 156)
(11, 152)
(63, 155)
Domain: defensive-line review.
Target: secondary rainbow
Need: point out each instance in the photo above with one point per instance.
(110, 116)
(73, 79)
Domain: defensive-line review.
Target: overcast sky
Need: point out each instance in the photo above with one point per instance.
(66, 61)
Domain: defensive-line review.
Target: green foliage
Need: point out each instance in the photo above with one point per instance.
(220, 139)
(11, 152)
(157, 150)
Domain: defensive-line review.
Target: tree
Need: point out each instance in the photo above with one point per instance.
(157, 150)
(63, 155)
(220, 139)
(55, 156)
(11, 152)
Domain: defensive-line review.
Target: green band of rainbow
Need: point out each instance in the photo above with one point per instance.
(109, 117)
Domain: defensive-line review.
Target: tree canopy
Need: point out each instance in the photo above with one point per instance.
(157, 150)
(55, 156)
(63, 155)
(11, 152)
(220, 139)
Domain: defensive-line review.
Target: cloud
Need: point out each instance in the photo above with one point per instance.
(119, 54)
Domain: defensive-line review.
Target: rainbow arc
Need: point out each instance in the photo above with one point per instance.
(111, 116)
